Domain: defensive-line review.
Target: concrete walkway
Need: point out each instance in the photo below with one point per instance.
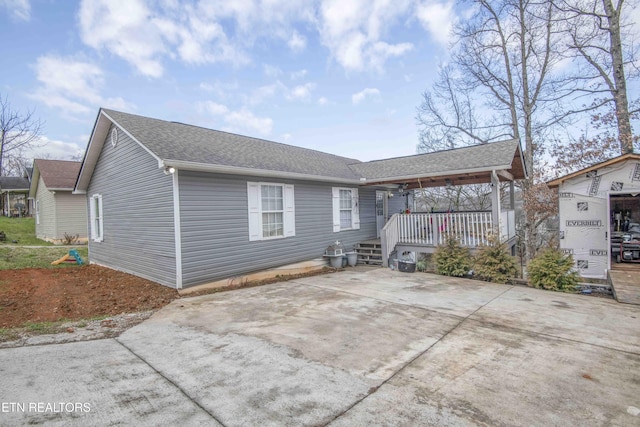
(356, 348)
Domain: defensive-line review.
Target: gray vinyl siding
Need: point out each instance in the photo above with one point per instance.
(71, 214)
(137, 200)
(215, 227)
(46, 224)
(398, 203)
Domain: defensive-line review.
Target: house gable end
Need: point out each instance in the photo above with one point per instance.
(100, 136)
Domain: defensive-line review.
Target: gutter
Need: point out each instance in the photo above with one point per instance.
(237, 170)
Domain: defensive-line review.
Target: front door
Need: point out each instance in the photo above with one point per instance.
(382, 209)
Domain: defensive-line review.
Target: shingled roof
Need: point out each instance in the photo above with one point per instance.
(191, 147)
(177, 142)
(13, 183)
(57, 174)
(466, 163)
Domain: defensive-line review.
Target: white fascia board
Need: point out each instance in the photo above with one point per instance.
(437, 174)
(96, 141)
(237, 170)
(35, 180)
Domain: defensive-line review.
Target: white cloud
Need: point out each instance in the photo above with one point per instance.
(55, 149)
(265, 92)
(357, 98)
(144, 36)
(214, 108)
(323, 101)
(298, 74)
(71, 85)
(245, 119)
(286, 137)
(297, 43)
(354, 31)
(125, 28)
(222, 90)
(301, 91)
(241, 120)
(271, 71)
(438, 19)
(19, 10)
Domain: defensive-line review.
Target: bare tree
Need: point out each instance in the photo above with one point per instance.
(18, 131)
(598, 143)
(600, 37)
(502, 83)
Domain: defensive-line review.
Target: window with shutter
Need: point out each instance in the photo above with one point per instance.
(346, 213)
(271, 210)
(95, 216)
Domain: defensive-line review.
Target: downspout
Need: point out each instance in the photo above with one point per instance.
(177, 229)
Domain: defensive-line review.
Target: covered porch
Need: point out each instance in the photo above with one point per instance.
(493, 164)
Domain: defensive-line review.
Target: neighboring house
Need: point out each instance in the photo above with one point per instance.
(182, 205)
(14, 193)
(593, 205)
(57, 211)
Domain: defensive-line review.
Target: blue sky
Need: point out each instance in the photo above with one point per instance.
(339, 76)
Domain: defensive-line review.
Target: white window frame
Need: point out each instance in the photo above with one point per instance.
(256, 211)
(355, 209)
(96, 217)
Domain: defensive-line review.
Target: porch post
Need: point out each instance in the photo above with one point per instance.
(512, 196)
(495, 201)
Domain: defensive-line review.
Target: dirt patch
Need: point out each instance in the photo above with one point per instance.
(50, 295)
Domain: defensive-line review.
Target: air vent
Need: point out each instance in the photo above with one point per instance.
(114, 137)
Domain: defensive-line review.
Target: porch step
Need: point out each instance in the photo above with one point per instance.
(369, 253)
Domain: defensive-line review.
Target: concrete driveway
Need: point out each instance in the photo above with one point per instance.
(356, 348)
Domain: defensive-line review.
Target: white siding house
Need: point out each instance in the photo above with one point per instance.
(58, 212)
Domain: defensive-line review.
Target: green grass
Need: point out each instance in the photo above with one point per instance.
(32, 328)
(9, 334)
(43, 328)
(23, 230)
(17, 257)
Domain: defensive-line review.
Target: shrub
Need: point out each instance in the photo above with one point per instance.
(493, 262)
(451, 259)
(552, 270)
(70, 239)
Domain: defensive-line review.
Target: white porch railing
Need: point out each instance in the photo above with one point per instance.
(433, 229)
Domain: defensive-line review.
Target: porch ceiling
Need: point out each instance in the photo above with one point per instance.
(442, 181)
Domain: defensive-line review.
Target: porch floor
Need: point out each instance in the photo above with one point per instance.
(625, 283)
